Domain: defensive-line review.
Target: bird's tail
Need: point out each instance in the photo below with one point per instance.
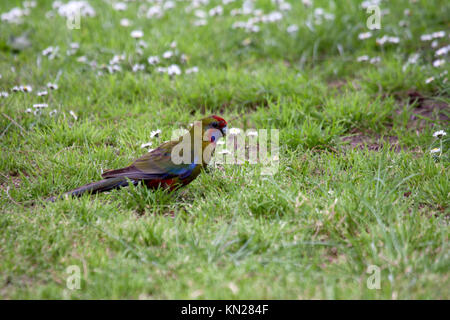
(96, 187)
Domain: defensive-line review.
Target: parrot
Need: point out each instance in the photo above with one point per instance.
(162, 167)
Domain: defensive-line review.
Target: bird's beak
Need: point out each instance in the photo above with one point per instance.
(224, 130)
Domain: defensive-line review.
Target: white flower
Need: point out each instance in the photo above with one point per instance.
(426, 37)
(234, 131)
(155, 11)
(443, 51)
(435, 150)
(394, 39)
(438, 63)
(292, 29)
(192, 70)
(429, 80)
(153, 60)
(386, 39)
(253, 133)
(365, 35)
(73, 8)
(161, 70)
(137, 34)
(4, 94)
(285, 6)
(73, 114)
(173, 70)
(40, 105)
(125, 22)
(49, 51)
(146, 145)
(439, 134)
(53, 112)
(120, 6)
(200, 14)
(173, 44)
(142, 44)
(362, 58)
(117, 58)
(52, 86)
(434, 35)
(14, 16)
(15, 89)
(137, 67)
(26, 88)
(413, 58)
(28, 110)
(155, 133)
(200, 22)
(82, 59)
(224, 151)
(168, 54)
(169, 5)
(438, 34)
(375, 60)
(216, 11)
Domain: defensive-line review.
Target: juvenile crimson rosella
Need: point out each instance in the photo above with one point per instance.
(172, 165)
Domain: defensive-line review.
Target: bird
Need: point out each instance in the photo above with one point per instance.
(172, 165)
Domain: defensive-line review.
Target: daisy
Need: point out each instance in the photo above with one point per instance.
(168, 54)
(443, 51)
(146, 145)
(136, 34)
(292, 29)
(192, 70)
(216, 11)
(40, 105)
(173, 70)
(153, 60)
(235, 131)
(52, 86)
(438, 63)
(138, 67)
(120, 6)
(125, 22)
(362, 58)
(429, 80)
(364, 35)
(200, 22)
(155, 133)
(435, 150)
(439, 134)
(26, 88)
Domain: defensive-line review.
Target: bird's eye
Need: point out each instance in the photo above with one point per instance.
(215, 124)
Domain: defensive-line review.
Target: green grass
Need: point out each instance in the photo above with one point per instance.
(310, 231)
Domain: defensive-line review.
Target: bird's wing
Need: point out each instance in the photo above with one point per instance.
(156, 164)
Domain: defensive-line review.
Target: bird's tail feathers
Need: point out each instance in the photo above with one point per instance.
(96, 187)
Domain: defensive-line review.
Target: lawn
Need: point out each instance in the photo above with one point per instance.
(358, 207)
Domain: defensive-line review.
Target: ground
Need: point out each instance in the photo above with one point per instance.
(359, 193)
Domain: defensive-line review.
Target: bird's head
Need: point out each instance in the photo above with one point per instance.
(213, 127)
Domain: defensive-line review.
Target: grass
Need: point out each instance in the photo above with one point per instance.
(356, 185)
